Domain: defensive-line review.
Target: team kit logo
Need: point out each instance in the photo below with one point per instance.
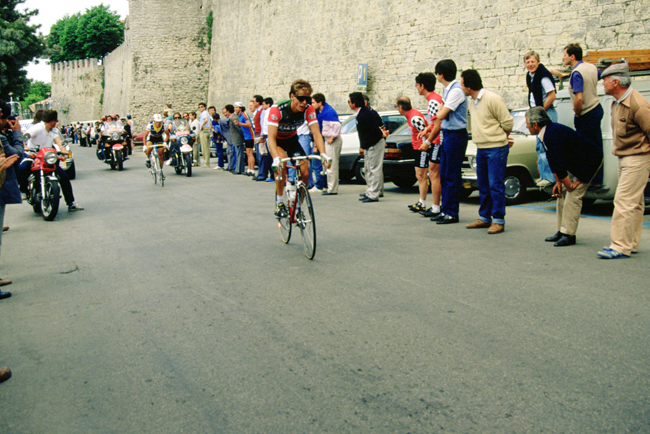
(274, 117)
(312, 116)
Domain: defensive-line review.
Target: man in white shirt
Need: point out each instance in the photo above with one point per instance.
(264, 169)
(45, 135)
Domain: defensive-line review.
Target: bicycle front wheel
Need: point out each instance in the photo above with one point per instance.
(284, 222)
(306, 222)
(154, 169)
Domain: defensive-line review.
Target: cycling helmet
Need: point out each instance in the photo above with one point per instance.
(157, 118)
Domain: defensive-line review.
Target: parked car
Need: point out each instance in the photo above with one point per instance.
(521, 171)
(138, 139)
(350, 163)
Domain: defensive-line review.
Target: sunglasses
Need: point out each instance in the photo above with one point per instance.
(176, 118)
(303, 98)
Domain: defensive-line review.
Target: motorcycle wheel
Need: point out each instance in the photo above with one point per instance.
(50, 200)
(179, 164)
(188, 164)
(31, 193)
(120, 163)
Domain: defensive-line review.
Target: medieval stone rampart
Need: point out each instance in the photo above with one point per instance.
(261, 46)
(77, 89)
(118, 78)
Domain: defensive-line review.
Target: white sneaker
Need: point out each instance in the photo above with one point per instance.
(315, 190)
(168, 162)
(543, 183)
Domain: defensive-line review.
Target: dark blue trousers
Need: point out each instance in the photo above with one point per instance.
(454, 145)
(588, 125)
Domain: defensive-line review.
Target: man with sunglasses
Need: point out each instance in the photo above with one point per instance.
(284, 120)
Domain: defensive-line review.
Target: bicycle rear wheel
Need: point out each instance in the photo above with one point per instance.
(284, 223)
(306, 222)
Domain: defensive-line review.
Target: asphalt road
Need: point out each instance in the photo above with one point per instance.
(179, 310)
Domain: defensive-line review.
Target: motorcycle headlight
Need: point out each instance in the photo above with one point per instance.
(115, 137)
(183, 140)
(472, 161)
(51, 158)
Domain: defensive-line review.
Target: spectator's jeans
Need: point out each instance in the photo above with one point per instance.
(232, 156)
(374, 165)
(588, 125)
(264, 168)
(454, 145)
(334, 152)
(490, 172)
(544, 168)
(219, 145)
(240, 164)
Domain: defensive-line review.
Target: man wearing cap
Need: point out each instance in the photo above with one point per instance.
(631, 144)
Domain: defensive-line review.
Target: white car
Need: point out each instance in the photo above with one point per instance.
(350, 165)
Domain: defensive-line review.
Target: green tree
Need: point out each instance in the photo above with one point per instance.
(37, 91)
(19, 44)
(92, 34)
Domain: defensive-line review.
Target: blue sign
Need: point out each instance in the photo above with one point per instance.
(362, 77)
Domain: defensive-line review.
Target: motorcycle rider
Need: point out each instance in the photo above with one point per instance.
(174, 146)
(44, 134)
(155, 133)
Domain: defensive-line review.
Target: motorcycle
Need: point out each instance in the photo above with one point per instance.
(182, 141)
(112, 145)
(43, 190)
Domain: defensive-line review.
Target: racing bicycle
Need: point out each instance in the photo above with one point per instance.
(300, 208)
(156, 169)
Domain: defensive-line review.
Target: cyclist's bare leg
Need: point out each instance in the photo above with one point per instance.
(279, 183)
(148, 149)
(304, 171)
(161, 155)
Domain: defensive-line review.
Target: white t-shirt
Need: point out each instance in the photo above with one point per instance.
(265, 121)
(547, 87)
(40, 137)
(455, 97)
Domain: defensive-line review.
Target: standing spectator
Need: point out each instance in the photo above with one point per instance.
(244, 122)
(453, 114)
(417, 124)
(218, 140)
(224, 124)
(491, 126)
(574, 160)
(541, 93)
(196, 131)
(237, 137)
(631, 136)
(330, 127)
(12, 149)
(586, 104)
(264, 168)
(371, 133)
(256, 109)
(205, 124)
(82, 135)
(425, 84)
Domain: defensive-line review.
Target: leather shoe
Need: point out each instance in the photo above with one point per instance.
(4, 295)
(327, 193)
(5, 282)
(447, 220)
(5, 374)
(565, 240)
(555, 237)
(429, 213)
(478, 224)
(368, 200)
(5, 229)
(495, 228)
(362, 195)
(440, 216)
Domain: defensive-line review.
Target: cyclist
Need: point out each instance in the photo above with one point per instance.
(155, 133)
(284, 120)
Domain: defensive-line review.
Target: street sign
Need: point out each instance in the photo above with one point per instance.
(362, 77)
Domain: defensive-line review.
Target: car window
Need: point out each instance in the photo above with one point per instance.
(402, 130)
(393, 122)
(520, 122)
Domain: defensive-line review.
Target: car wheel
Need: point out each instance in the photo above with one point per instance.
(515, 186)
(404, 181)
(359, 172)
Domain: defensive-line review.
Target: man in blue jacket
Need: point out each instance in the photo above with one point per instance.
(12, 149)
(575, 162)
(330, 128)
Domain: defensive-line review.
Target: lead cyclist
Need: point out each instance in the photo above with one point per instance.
(284, 120)
(156, 133)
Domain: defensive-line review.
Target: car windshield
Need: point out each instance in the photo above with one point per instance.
(520, 122)
(349, 125)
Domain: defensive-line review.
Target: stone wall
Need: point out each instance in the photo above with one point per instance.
(117, 77)
(168, 64)
(261, 47)
(77, 88)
